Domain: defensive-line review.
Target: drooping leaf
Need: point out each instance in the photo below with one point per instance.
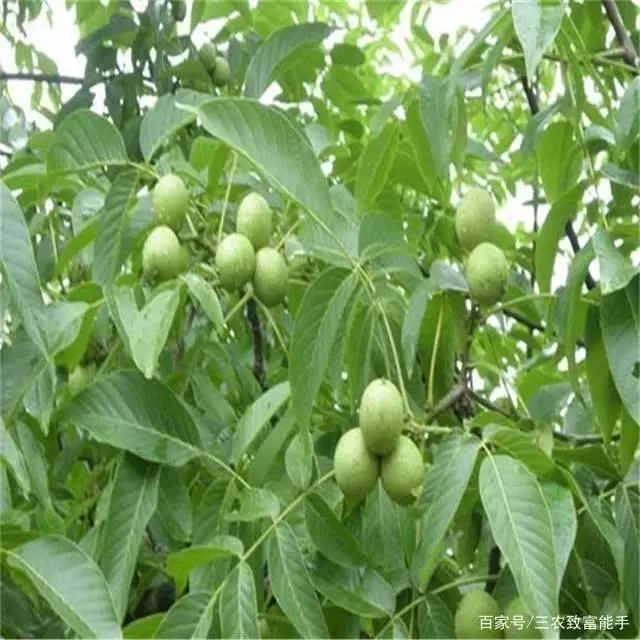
(206, 296)
(12, 457)
(19, 267)
(70, 581)
(620, 321)
(291, 584)
(280, 48)
(331, 537)
(523, 530)
(166, 118)
(444, 486)
(536, 24)
(374, 166)
(151, 329)
(627, 512)
(141, 416)
(238, 604)
(435, 619)
(615, 270)
(315, 331)
(298, 460)
(174, 504)
(133, 500)
(628, 116)
(257, 416)
(109, 244)
(86, 140)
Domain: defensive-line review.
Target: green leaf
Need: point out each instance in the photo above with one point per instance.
(627, 511)
(624, 177)
(181, 563)
(330, 536)
(142, 416)
(151, 330)
(435, 619)
(203, 293)
(123, 310)
(552, 230)
(12, 457)
(133, 500)
(298, 460)
(434, 113)
(523, 530)
(536, 24)
(444, 485)
(565, 524)
(37, 465)
(621, 334)
(19, 268)
(291, 584)
(174, 504)
(69, 580)
(412, 323)
(615, 270)
(604, 395)
(277, 51)
(316, 329)
(364, 594)
(255, 504)
(257, 416)
(110, 237)
(521, 446)
(189, 617)
(268, 139)
(374, 166)
(559, 158)
(85, 140)
(166, 118)
(629, 438)
(628, 117)
(238, 604)
(143, 628)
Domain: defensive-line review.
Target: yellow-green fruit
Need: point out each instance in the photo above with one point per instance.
(170, 201)
(236, 261)
(208, 54)
(381, 416)
(487, 274)
(254, 220)
(179, 10)
(222, 72)
(163, 257)
(516, 609)
(469, 615)
(356, 468)
(402, 470)
(475, 218)
(79, 378)
(271, 277)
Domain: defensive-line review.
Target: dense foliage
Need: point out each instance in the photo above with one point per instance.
(202, 273)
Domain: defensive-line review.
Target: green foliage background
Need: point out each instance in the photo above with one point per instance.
(181, 484)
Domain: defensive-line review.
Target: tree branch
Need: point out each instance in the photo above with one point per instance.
(534, 107)
(53, 78)
(258, 354)
(629, 53)
(446, 402)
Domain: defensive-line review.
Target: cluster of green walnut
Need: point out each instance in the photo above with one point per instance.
(487, 267)
(377, 448)
(217, 66)
(476, 605)
(246, 256)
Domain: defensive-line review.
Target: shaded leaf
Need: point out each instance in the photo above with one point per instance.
(435, 619)
(298, 460)
(238, 604)
(615, 270)
(521, 446)
(203, 293)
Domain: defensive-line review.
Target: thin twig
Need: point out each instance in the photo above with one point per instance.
(446, 402)
(611, 9)
(53, 78)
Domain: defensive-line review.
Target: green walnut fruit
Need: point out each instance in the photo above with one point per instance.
(381, 416)
(487, 274)
(271, 277)
(79, 378)
(517, 615)
(236, 261)
(208, 54)
(356, 468)
(163, 257)
(221, 73)
(469, 616)
(254, 220)
(170, 201)
(475, 218)
(401, 471)
(179, 10)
